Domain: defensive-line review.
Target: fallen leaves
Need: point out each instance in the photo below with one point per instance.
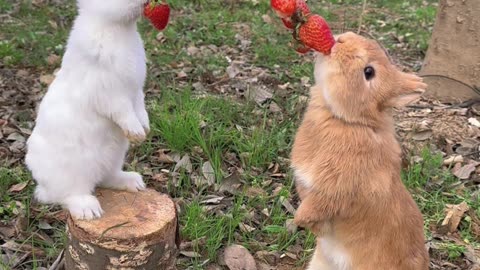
(454, 214)
(453, 159)
(422, 135)
(184, 163)
(208, 173)
(237, 257)
(18, 187)
(464, 172)
(474, 122)
(47, 79)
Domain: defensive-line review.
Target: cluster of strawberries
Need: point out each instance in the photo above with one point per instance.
(310, 31)
(158, 13)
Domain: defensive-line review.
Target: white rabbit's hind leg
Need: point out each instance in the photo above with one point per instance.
(42, 195)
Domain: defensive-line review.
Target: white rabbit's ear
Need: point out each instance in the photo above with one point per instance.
(411, 88)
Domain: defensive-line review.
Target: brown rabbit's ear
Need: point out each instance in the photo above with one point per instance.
(410, 90)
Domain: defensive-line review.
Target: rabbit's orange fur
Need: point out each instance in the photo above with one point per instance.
(347, 162)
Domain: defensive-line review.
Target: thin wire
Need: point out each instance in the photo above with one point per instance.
(473, 88)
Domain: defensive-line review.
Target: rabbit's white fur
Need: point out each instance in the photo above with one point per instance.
(92, 109)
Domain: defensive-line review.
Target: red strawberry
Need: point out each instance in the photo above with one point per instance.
(303, 7)
(316, 34)
(158, 14)
(288, 23)
(284, 8)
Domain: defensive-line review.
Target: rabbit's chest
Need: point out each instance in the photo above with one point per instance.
(132, 69)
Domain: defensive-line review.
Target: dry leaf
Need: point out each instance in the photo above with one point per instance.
(47, 79)
(182, 74)
(53, 59)
(232, 71)
(246, 228)
(44, 225)
(267, 19)
(287, 205)
(213, 200)
(231, 184)
(192, 50)
(184, 163)
(259, 95)
(270, 257)
(422, 135)
(464, 172)
(18, 187)
(253, 192)
(237, 257)
(208, 173)
(291, 226)
(275, 108)
(16, 137)
(190, 254)
(165, 158)
(474, 122)
(7, 232)
(453, 159)
(454, 214)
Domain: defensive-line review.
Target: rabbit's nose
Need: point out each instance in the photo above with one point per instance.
(343, 38)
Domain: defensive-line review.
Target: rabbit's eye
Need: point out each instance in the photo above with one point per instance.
(369, 73)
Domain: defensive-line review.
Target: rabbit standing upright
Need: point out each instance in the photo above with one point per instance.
(91, 111)
(347, 163)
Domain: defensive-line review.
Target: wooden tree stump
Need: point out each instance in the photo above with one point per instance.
(454, 52)
(137, 231)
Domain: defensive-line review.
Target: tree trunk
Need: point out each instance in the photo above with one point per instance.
(453, 56)
(137, 231)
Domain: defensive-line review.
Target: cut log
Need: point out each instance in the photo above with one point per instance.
(137, 231)
(453, 56)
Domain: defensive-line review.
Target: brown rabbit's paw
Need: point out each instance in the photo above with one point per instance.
(304, 218)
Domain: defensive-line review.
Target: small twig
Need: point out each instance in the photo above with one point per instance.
(111, 228)
(360, 20)
(222, 79)
(58, 262)
(471, 153)
(134, 199)
(420, 107)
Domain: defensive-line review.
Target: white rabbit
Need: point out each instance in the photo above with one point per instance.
(91, 111)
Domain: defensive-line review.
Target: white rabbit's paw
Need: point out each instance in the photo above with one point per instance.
(133, 181)
(84, 207)
(146, 128)
(144, 120)
(135, 137)
(130, 181)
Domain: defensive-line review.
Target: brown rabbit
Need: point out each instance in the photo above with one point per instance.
(347, 163)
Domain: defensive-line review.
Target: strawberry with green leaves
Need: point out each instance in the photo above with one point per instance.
(316, 34)
(301, 10)
(158, 13)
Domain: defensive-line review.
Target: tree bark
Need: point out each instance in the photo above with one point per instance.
(137, 231)
(454, 52)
